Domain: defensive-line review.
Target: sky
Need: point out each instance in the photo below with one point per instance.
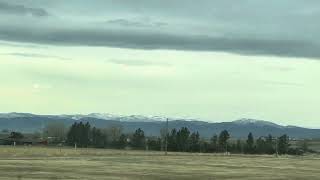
(210, 60)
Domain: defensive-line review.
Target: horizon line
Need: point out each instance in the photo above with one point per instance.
(165, 117)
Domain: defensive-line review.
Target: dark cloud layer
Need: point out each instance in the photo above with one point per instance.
(128, 23)
(136, 40)
(21, 10)
(273, 28)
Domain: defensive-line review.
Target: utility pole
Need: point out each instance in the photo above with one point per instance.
(166, 139)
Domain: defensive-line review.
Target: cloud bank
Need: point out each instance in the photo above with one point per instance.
(273, 28)
(7, 8)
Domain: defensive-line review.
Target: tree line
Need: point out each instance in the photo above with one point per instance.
(178, 140)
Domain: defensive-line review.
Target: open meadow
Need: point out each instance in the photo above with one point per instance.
(65, 163)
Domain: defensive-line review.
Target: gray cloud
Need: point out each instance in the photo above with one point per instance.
(131, 23)
(22, 45)
(154, 40)
(136, 62)
(32, 55)
(288, 28)
(22, 10)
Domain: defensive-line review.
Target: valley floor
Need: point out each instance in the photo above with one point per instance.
(65, 163)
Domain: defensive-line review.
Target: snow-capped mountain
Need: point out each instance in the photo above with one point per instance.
(15, 115)
(113, 117)
(245, 121)
(25, 122)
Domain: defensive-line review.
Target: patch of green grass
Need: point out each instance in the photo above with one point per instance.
(67, 163)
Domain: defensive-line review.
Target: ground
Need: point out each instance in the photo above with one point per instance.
(66, 163)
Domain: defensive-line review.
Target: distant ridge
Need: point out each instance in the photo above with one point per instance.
(245, 121)
(26, 122)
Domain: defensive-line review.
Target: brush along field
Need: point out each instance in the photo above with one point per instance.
(66, 163)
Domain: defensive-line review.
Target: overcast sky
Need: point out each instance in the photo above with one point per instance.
(212, 60)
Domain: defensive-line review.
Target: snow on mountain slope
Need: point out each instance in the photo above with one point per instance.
(256, 122)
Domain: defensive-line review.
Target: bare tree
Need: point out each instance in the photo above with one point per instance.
(304, 145)
(56, 131)
(113, 133)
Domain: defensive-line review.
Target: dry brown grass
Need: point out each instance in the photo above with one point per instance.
(51, 163)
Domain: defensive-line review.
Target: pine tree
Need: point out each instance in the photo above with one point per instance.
(71, 135)
(86, 132)
(239, 148)
(79, 134)
(172, 140)
(269, 148)
(250, 144)
(122, 143)
(182, 139)
(138, 139)
(283, 144)
(194, 142)
(223, 140)
(214, 143)
(261, 146)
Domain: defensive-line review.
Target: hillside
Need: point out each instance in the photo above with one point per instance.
(151, 125)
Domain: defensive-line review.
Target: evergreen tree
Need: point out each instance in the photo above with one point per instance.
(194, 142)
(250, 144)
(71, 135)
(122, 143)
(283, 144)
(79, 134)
(98, 139)
(204, 146)
(223, 140)
(93, 136)
(214, 143)
(172, 140)
(138, 139)
(239, 147)
(16, 136)
(261, 146)
(182, 139)
(269, 147)
(85, 134)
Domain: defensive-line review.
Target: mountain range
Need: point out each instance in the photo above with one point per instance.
(27, 123)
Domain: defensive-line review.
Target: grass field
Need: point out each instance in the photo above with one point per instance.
(53, 163)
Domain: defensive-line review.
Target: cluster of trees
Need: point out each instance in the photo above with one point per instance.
(264, 145)
(178, 140)
(16, 136)
(83, 135)
(79, 134)
(183, 140)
